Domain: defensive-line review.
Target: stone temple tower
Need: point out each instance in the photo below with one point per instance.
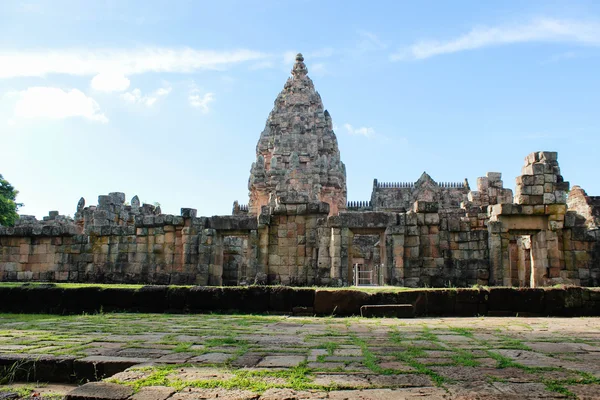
(297, 155)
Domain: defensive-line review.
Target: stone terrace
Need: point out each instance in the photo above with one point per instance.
(152, 356)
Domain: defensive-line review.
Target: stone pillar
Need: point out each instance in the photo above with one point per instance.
(323, 257)
(539, 259)
(205, 247)
(347, 237)
(215, 268)
(396, 268)
(335, 250)
(262, 267)
(495, 250)
(252, 256)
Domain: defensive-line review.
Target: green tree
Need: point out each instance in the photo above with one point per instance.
(8, 205)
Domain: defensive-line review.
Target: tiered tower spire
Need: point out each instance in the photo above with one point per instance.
(297, 155)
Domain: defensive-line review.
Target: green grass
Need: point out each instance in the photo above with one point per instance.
(329, 346)
(297, 378)
(506, 342)
(406, 341)
(468, 332)
(182, 347)
(26, 392)
(464, 358)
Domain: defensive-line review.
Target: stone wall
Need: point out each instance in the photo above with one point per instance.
(400, 196)
(298, 228)
(540, 240)
(468, 302)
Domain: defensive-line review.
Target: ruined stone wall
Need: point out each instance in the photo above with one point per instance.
(540, 240)
(400, 196)
(151, 250)
(298, 228)
(294, 246)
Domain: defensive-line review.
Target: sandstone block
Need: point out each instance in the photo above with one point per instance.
(537, 190)
(100, 391)
(538, 180)
(425, 207)
(550, 178)
(549, 198)
(189, 212)
(560, 196)
(432, 219)
(537, 168)
(536, 200)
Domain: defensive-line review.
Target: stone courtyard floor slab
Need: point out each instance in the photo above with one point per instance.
(166, 356)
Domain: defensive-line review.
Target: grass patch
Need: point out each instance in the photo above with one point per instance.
(427, 335)
(297, 378)
(557, 387)
(329, 346)
(464, 358)
(408, 357)
(468, 332)
(507, 342)
(182, 347)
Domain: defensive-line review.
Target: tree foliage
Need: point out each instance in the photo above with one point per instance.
(8, 204)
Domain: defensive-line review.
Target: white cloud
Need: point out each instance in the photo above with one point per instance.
(362, 131)
(136, 97)
(262, 65)
(56, 103)
(132, 97)
(163, 91)
(128, 62)
(538, 30)
(110, 82)
(369, 42)
(198, 101)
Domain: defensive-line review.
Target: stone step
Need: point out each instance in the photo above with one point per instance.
(64, 369)
(388, 311)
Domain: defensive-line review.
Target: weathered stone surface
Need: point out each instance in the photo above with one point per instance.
(289, 394)
(281, 361)
(297, 154)
(340, 302)
(153, 393)
(388, 311)
(100, 391)
(390, 394)
(222, 394)
(210, 358)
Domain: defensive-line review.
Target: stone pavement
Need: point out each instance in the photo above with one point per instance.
(160, 356)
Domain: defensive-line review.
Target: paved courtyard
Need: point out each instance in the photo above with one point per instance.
(184, 357)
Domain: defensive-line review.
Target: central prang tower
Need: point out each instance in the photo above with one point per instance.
(297, 155)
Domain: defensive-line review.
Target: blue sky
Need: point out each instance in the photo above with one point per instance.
(166, 100)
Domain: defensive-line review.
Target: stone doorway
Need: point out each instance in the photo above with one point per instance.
(235, 260)
(366, 260)
(527, 264)
(521, 260)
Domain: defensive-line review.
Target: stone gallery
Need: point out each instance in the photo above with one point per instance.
(299, 229)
